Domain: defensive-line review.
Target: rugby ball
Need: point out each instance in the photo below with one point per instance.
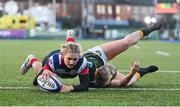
(50, 84)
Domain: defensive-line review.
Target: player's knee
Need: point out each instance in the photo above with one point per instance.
(126, 42)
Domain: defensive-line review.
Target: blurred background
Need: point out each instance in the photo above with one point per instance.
(90, 19)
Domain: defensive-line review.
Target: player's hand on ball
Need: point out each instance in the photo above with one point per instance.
(46, 73)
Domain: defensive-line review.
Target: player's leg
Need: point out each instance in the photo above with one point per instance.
(141, 72)
(111, 49)
(30, 61)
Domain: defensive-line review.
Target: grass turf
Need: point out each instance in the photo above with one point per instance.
(14, 52)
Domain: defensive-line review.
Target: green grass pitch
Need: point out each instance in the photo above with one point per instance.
(158, 89)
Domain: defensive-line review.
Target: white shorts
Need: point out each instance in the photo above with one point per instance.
(97, 50)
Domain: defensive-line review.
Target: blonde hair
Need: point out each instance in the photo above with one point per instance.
(71, 47)
(103, 74)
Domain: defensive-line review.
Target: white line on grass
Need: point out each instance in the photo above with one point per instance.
(135, 89)
(138, 89)
(17, 88)
(162, 53)
(163, 71)
(113, 89)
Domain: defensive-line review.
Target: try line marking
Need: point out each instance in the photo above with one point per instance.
(103, 89)
(158, 71)
(137, 89)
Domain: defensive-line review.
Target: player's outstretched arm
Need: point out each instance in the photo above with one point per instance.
(124, 80)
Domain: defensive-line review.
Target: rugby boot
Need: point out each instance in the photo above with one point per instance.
(149, 69)
(153, 27)
(27, 64)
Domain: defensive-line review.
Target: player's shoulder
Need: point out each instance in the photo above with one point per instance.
(82, 59)
(82, 63)
(55, 59)
(56, 56)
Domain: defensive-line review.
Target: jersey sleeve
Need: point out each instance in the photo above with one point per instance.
(84, 71)
(46, 67)
(84, 66)
(84, 83)
(83, 76)
(50, 64)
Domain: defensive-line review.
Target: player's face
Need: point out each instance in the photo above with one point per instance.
(71, 59)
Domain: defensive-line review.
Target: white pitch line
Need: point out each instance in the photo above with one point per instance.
(17, 88)
(162, 53)
(103, 89)
(163, 71)
(138, 89)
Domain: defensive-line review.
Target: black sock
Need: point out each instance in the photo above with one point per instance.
(143, 71)
(156, 26)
